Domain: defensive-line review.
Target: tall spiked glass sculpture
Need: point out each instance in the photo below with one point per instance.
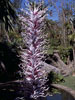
(32, 22)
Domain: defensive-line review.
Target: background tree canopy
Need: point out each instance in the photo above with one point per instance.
(7, 13)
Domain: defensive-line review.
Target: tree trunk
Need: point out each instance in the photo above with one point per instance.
(74, 58)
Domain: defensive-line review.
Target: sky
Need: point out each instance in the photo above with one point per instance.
(54, 15)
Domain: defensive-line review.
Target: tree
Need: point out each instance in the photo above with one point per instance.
(65, 10)
(7, 17)
(17, 3)
(72, 38)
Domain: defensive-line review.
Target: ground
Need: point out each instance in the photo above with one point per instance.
(69, 82)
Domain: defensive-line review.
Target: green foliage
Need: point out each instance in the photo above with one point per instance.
(50, 51)
(54, 78)
(15, 38)
(68, 25)
(54, 42)
(64, 52)
(71, 37)
(7, 14)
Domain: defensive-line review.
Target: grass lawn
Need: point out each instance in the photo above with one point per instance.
(69, 82)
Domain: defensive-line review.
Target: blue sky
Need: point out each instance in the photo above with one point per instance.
(54, 15)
